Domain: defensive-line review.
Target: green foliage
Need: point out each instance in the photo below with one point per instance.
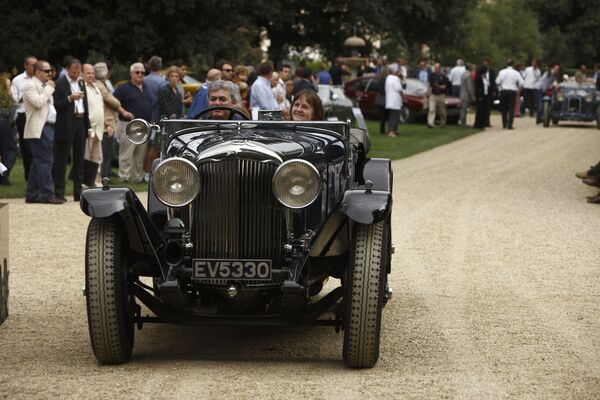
(498, 31)
(569, 29)
(205, 31)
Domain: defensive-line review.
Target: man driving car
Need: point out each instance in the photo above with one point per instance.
(223, 93)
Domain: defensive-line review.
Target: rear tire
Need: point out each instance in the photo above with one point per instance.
(110, 308)
(364, 295)
(546, 114)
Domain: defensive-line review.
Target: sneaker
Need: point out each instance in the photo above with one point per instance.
(392, 134)
(583, 175)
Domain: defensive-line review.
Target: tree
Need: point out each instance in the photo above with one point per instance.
(498, 31)
(569, 30)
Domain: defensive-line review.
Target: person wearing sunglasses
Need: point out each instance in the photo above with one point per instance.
(39, 133)
(226, 68)
(135, 97)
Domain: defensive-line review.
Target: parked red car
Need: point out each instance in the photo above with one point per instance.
(365, 89)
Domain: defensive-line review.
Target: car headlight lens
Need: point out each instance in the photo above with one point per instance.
(560, 96)
(138, 131)
(175, 182)
(296, 183)
(588, 98)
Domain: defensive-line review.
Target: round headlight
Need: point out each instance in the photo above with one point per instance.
(589, 97)
(296, 183)
(560, 96)
(138, 131)
(175, 182)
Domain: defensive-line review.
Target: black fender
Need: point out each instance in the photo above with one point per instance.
(371, 206)
(378, 171)
(367, 206)
(143, 237)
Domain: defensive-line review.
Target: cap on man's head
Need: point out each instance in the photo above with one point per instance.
(101, 70)
(155, 63)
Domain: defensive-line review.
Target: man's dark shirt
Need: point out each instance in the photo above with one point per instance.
(336, 73)
(136, 101)
(435, 80)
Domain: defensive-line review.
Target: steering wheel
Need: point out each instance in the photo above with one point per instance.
(232, 111)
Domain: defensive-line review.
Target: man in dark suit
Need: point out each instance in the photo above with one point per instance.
(485, 90)
(71, 129)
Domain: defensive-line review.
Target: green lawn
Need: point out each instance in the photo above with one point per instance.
(413, 139)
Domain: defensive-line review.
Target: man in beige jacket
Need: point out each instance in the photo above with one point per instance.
(39, 132)
(93, 144)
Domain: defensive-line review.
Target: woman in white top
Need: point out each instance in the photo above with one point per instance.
(393, 100)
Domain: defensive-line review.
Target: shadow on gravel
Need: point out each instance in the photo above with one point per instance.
(297, 344)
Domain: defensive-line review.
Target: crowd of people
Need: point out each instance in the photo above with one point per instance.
(80, 115)
(77, 115)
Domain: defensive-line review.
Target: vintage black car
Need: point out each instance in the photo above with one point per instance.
(245, 223)
(572, 102)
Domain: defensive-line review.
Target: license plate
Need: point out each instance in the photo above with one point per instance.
(231, 269)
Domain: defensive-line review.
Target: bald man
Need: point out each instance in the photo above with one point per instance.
(200, 102)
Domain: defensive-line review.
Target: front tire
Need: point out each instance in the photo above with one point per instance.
(364, 295)
(109, 306)
(546, 114)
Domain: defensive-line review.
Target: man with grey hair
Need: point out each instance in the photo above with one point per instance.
(200, 102)
(223, 93)
(135, 97)
(455, 76)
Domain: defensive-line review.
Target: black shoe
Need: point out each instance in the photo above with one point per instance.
(4, 181)
(52, 200)
(510, 127)
(77, 196)
(32, 201)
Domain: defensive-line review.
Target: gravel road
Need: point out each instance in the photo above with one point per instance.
(496, 295)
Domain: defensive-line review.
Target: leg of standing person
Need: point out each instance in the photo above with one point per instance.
(62, 151)
(393, 122)
(431, 112)
(24, 144)
(126, 149)
(538, 106)
(511, 101)
(464, 108)
(107, 152)
(504, 108)
(383, 118)
(76, 173)
(441, 106)
(40, 186)
(137, 162)
(8, 149)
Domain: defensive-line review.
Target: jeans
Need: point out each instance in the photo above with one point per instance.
(538, 97)
(40, 185)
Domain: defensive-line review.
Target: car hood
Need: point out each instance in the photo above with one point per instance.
(255, 144)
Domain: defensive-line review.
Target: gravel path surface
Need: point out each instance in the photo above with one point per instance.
(496, 295)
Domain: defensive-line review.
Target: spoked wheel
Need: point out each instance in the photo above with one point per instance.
(364, 295)
(546, 114)
(110, 307)
(405, 115)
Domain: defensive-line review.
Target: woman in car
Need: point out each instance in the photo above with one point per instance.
(307, 106)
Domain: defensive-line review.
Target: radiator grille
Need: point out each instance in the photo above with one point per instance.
(236, 215)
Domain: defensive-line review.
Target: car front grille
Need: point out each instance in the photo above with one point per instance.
(236, 215)
(574, 105)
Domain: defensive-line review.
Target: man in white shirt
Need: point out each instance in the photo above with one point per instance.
(455, 76)
(39, 132)
(393, 99)
(261, 95)
(531, 76)
(93, 145)
(18, 86)
(509, 81)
